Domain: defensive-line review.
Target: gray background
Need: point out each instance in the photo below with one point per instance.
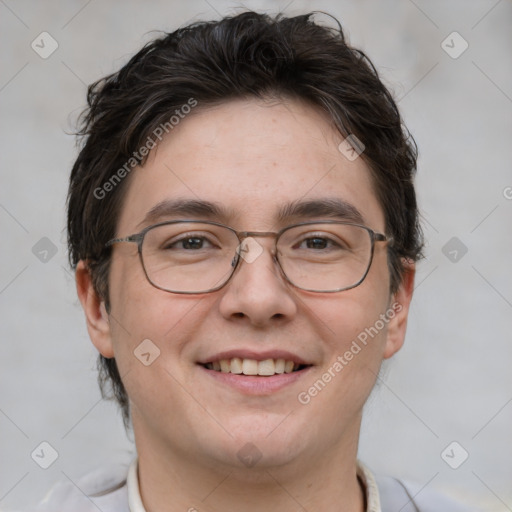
(451, 382)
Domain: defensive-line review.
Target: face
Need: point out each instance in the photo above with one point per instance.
(250, 158)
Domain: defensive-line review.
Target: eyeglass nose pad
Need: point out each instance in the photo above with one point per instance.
(235, 259)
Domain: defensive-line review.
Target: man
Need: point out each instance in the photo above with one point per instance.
(243, 225)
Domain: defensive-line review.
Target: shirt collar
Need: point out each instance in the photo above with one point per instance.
(365, 475)
(132, 483)
(372, 491)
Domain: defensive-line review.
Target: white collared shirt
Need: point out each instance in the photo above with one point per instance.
(372, 492)
(116, 490)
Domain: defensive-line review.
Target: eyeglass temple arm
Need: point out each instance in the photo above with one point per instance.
(379, 237)
(132, 238)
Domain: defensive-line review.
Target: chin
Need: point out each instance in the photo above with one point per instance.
(259, 442)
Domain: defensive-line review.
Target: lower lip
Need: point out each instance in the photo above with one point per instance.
(254, 384)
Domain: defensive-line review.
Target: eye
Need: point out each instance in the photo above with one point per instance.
(188, 243)
(193, 242)
(319, 242)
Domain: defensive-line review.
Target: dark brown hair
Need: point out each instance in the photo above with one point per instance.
(244, 56)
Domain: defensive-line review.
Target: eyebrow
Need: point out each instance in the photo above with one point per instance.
(186, 208)
(333, 208)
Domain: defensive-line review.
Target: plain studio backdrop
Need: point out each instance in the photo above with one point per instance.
(442, 413)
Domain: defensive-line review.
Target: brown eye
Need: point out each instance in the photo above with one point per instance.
(317, 243)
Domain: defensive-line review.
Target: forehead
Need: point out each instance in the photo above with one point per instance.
(253, 160)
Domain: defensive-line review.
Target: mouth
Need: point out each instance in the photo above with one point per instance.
(255, 372)
(253, 367)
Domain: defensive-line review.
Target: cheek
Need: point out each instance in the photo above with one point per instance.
(139, 312)
(150, 334)
(352, 326)
(336, 393)
(350, 314)
(352, 321)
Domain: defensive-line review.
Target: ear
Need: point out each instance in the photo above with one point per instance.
(95, 312)
(399, 304)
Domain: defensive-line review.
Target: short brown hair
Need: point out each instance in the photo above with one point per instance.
(244, 56)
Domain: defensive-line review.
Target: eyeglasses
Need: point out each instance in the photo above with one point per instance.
(190, 256)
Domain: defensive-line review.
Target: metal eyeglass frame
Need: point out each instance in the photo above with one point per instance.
(138, 238)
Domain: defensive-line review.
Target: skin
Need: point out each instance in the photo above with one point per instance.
(251, 156)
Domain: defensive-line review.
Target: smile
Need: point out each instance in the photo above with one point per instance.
(265, 368)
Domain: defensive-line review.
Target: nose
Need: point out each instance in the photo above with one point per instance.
(258, 292)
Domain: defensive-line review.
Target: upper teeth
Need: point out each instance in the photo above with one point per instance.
(267, 367)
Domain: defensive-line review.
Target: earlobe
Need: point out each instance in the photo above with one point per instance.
(399, 310)
(96, 315)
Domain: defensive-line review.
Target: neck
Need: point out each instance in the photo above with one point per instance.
(173, 481)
